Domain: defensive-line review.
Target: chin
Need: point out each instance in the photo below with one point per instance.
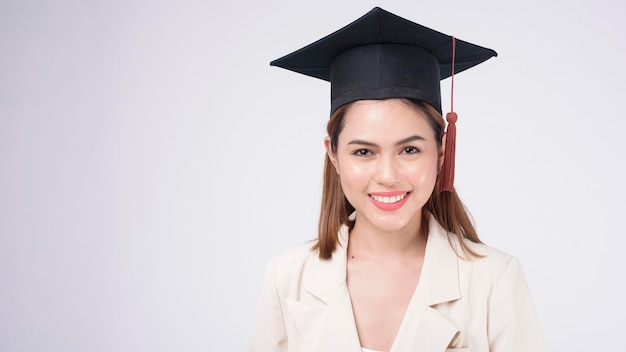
(395, 222)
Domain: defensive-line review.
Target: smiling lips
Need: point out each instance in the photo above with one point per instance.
(389, 201)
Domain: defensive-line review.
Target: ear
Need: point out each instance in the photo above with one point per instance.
(331, 155)
(442, 153)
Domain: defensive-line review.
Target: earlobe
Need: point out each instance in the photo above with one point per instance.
(331, 155)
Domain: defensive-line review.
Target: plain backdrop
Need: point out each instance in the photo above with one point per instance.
(151, 162)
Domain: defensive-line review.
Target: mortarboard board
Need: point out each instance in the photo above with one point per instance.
(382, 55)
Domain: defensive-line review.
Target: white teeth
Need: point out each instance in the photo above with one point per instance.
(388, 200)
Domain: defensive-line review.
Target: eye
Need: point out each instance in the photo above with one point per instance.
(362, 152)
(410, 150)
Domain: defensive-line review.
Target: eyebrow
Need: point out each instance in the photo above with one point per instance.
(400, 142)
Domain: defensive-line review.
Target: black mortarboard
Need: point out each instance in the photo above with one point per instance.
(382, 55)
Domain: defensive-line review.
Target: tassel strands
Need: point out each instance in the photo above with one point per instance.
(447, 172)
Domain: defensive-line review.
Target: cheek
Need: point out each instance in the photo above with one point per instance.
(352, 173)
(423, 172)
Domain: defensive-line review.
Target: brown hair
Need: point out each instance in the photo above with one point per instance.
(446, 207)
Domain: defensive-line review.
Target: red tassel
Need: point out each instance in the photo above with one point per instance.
(446, 183)
(447, 172)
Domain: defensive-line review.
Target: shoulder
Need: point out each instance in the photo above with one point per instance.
(304, 256)
(300, 268)
(489, 254)
(295, 256)
(493, 264)
(288, 266)
(489, 258)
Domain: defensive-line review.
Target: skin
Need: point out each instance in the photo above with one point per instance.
(385, 146)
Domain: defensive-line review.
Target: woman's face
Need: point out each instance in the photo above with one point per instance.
(387, 159)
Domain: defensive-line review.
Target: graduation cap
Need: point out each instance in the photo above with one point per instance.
(382, 55)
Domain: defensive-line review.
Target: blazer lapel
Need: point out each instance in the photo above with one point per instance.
(425, 329)
(323, 315)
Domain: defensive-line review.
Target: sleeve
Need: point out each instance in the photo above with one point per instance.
(268, 332)
(513, 325)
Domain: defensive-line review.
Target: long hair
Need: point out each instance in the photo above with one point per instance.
(446, 207)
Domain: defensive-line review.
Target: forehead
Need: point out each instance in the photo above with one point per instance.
(389, 119)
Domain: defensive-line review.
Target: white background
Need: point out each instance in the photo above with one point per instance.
(151, 162)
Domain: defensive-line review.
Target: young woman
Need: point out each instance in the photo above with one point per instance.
(397, 265)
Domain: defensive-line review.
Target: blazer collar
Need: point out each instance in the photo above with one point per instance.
(329, 324)
(328, 276)
(424, 328)
(439, 280)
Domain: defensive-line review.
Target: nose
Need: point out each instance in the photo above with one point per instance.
(386, 171)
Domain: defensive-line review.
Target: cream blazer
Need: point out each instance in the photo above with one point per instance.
(478, 305)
